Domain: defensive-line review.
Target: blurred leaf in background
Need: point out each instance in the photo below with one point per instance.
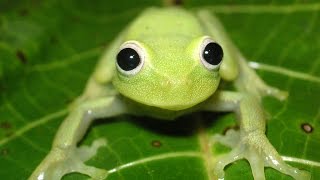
(49, 48)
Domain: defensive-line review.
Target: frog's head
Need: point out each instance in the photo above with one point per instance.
(171, 73)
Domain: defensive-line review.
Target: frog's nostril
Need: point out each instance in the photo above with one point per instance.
(188, 82)
(166, 83)
(175, 83)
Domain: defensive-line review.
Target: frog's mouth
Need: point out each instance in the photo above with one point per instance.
(175, 105)
(175, 98)
(172, 104)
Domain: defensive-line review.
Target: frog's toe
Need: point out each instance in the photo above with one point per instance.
(224, 160)
(84, 153)
(230, 139)
(274, 92)
(94, 173)
(87, 152)
(257, 165)
(278, 164)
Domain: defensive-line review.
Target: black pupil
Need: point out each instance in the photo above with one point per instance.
(128, 59)
(213, 53)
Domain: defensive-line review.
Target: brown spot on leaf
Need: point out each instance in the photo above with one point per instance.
(307, 128)
(173, 2)
(5, 125)
(177, 2)
(23, 12)
(156, 143)
(21, 56)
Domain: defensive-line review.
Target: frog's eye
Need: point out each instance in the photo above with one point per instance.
(130, 58)
(211, 54)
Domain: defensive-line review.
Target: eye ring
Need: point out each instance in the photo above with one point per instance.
(130, 58)
(211, 54)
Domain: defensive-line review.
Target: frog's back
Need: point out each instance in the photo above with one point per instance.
(165, 22)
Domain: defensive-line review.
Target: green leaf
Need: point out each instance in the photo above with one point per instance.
(48, 50)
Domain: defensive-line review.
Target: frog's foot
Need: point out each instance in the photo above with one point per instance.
(249, 81)
(255, 148)
(60, 162)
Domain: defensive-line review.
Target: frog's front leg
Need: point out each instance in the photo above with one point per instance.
(250, 142)
(65, 157)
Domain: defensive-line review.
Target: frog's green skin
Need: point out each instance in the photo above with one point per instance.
(171, 82)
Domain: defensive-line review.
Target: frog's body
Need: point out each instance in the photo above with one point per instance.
(167, 63)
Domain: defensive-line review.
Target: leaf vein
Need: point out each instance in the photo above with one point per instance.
(301, 161)
(32, 125)
(155, 158)
(266, 8)
(56, 64)
(284, 71)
